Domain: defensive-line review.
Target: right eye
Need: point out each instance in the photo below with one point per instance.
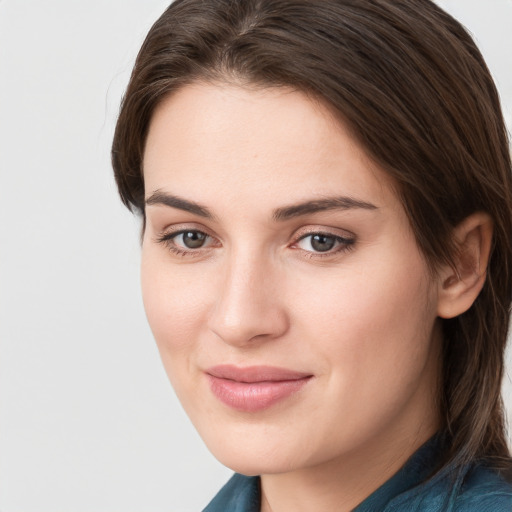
(190, 239)
(186, 241)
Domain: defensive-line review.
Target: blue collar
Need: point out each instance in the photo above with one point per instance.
(411, 489)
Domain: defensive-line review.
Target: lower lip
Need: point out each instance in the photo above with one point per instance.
(254, 396)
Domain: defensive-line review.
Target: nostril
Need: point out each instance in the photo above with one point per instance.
(243, 325)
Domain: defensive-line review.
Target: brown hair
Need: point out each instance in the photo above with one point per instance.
(409, 82)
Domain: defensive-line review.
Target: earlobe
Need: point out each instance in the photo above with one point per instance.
(460, 284)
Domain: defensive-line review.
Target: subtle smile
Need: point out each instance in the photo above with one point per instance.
(254, 388)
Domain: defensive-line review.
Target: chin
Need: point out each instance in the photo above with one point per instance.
(251, 455)
(253, 464)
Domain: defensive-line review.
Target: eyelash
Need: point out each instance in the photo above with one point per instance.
(167, 239)
(344, 244)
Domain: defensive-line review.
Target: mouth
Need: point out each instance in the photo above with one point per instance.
(254, 388)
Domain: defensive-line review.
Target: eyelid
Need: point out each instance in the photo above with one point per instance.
(176, 229)
(166, 237)
(345, 239)
(322, 230)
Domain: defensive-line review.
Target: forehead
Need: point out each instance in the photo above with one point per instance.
(268, 144)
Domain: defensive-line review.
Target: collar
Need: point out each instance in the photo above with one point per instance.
(412, 488)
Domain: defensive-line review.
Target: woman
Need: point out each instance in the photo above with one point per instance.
(326, 197)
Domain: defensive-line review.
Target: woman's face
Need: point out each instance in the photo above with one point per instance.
(293, 311)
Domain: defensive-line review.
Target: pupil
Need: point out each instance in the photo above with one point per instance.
(193, 239)
(322, 243)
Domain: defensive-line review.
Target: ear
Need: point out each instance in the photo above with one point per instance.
(460, 284)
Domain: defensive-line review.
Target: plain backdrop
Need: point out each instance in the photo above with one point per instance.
(88, 421)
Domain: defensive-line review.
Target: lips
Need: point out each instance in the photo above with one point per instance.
(254, 388)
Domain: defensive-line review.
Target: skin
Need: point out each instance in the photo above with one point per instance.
(360, 318)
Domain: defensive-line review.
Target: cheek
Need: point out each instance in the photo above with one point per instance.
(371, 336)
(174, 302)
(373, 328)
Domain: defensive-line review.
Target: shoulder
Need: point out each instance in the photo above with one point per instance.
(476, 489)
(240, 494)
(484, 490)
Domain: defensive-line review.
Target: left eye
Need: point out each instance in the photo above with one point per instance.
(321, 242)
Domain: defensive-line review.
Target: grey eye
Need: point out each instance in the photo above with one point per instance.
(322, 243)
(318, 242)
(192, 239)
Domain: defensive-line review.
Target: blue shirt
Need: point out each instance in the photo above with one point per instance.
(476, 489)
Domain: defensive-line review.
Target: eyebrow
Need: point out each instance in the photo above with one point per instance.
(280, 214)
(320, 205)
(162, 198)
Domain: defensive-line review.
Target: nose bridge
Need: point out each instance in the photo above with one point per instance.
(248, 305)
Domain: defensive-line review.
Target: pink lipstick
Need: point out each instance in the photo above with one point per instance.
(254, 388)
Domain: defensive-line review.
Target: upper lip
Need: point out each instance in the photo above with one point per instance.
(255, 373)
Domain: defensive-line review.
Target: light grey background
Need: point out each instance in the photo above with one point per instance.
(88, 422)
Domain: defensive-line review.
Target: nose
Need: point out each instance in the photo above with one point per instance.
(249, 305)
